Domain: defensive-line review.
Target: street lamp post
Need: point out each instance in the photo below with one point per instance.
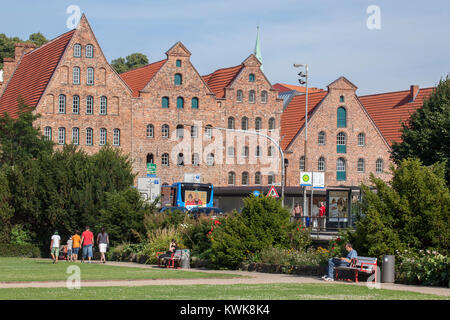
(301, 81)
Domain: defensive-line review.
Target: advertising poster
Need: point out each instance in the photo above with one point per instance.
(195, 198)
(338, 206)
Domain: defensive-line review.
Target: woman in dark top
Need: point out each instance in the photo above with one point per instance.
(172, 248)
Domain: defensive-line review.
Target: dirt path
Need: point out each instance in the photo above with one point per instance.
(246, 278)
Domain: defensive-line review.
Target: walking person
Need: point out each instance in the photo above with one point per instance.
(103, 244)
(54, 246)
(87, 241)
(76, 241)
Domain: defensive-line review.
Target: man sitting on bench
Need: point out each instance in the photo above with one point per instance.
(336, 262)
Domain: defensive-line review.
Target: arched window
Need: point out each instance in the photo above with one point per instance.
(194, 103)
(89, 51)
(61, 135)
(102, 136)
(244, 178)
(116, 137)
(62, 103)
(239, 96)
(264, 96)
(230, 151)
(178, 63)
(165, 102)
(195, 159)
(244, 123)
(231, 178)
(302, 163)
(150, 131)
(341, 117)
(150, 158)
(180, 103)
(180, 159)
(194, 131)
(103, 105)
(76, 104)
(379, 166)
(178, 79)
(245, 152)
(48, 133)
(321, 138)
(89, 105)
(251, 96)
(340, 169)
(341, 141)
(361, 139)
(360, 166)
(257, 178)
(165, 131)
(251, 77)
(210, 159)
(230, 123)
(76, 75)
(77, 50)
(272, 123)
(321, 164)
(89, 136)
(165, 159)
(341, 99)
(258, 151)
(271, 151)
(75, 136)
(180, 131)
(90, 76)
(258, 124)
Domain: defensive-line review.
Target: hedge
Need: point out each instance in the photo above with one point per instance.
(19, 250)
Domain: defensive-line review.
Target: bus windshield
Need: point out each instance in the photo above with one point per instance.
(195, 195)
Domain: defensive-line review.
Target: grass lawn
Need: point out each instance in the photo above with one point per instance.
(17, 269)
(217, 292)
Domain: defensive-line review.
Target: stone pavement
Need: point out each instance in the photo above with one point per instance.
(246, 278)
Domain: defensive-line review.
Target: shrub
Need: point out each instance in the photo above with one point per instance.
(196, 235)
(19, 250)
(19, 235)
(292, 257)
(159, 241)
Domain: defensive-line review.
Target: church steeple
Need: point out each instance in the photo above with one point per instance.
(257, 51)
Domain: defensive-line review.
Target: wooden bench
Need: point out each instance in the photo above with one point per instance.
(170, 262)
(365, 265)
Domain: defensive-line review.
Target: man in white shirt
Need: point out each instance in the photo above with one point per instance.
(54, 247)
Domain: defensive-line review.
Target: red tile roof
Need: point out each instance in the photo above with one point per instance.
(389, 110)
(33, 74)
(220, 79)
(138, 78)
(283, 87)
(293, 118)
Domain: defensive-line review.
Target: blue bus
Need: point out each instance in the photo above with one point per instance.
(188, 195)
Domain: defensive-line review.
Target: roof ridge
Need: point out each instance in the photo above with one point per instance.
(239, 65)
(50, 41)
(389, 92)
(147, 65)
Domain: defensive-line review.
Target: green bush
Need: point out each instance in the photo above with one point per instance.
(19, 250)
(159, 241)
(291, 257)
(196, 235)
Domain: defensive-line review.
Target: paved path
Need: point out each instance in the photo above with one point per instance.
(246, 278)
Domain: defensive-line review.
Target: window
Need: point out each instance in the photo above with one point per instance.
(239, 96)
(116, 137)
(165, 102)
(258, 151)
(258, 124)
(89, 135)
(251, 77)
(61, 135)
(302, 163)
(90, 76)
(75, 136)
(76, 75)
(178, 63)
(195, 159)
(230, 123)
(194, 103)
(340, 169)
(208, 131)
(194, 132)
(102, 136)
(77, 50)
(245, 152)
(230, 151)
(103, 105)
(360, 166)
(76, 104)
(231, 178)
(270, 151)
(150, 131)
(271, 178)
(165, 159)
(150, 158)
(180, 160)
(62, 104)
(165, 131)
(89, 51)
(361, 139)
(321, 164)
(180, 103)
(251, 96)
(341, 117)
(89, 105)
(244, 123)
(210, 159)
(341, 143)
(272, 123)
(321, 138)
(379, 166)
(178, 79)
(48, 133)
(264, 97)
(257, 177)
(180, 131)
(341, 99)
(244, 178)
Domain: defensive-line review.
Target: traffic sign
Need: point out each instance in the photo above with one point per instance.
(151, 168)
(256, 193)
(272, 192)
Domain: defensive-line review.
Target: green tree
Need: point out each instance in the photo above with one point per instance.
(412, 211)
(6, 210)
(7, 44)
(133, 61)
(38, 39)
(427, 133)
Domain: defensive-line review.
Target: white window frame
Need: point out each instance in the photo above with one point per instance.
(103, 136)
(90, 76)
(89, 136)
(76, 75)
(76, 136)
(116, 137)
(61, 135)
